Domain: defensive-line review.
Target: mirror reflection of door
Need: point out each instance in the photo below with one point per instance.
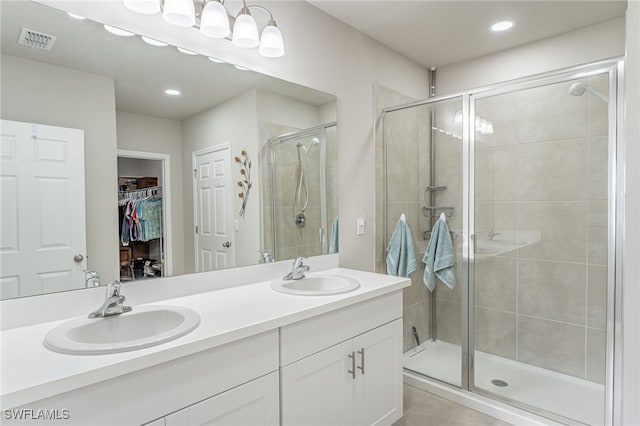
(213, 209)
(43, 238)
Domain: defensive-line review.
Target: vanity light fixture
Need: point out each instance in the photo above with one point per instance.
(216, 60)
(172, 92)
(118, 31)
(187, 51)
(501, 26)
(74, 16)
(241, 68)
(213, 20)
(153, 42)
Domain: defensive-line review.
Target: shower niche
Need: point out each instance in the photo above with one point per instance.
(526, 171)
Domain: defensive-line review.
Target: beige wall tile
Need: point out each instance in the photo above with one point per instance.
(551, 113)
(598, 244)
(502, 111)
(598, 168)
(552, 290)
(553, 171)
(418, 316)
(598, 109)
(495, 332)
(496, 283)
(553, 345)
(597, 297)
(596, 345)
(505, 173)
(563, 230)
(448, 321)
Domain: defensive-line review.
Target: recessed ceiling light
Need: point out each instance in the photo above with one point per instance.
(153, 42)
(118, 31)
(186, 51)
(172, 92)
(216, 60)
(501, 26)
(74, 16)
(241, 68)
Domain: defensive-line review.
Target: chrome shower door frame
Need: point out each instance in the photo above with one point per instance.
(615, 221)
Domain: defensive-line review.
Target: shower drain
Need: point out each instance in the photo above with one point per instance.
(500, 383)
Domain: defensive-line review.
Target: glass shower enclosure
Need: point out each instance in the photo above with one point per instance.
(300, 198)
(525, 175)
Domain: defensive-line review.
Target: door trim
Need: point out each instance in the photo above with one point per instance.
(166, 195)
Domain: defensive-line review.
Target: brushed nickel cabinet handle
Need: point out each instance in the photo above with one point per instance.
(361, 366)
(352, 355)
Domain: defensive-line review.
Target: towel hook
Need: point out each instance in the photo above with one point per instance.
(443, 216)
(403, 218)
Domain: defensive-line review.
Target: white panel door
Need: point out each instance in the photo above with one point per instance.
(252, 404)
(43, 240)
(318, 390)
(213, 207)
(378, 387)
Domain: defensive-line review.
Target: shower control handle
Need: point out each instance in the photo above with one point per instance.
(352, 355)
(361, 366)
(226, 244)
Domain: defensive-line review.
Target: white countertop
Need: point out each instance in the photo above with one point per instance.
(31, 372)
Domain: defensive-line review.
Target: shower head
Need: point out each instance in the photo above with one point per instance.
(578, 89)
(315, 141)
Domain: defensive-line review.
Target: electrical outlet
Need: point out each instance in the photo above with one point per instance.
(360, 226)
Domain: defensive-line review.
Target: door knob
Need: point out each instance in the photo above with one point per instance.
(226, 245)
(78, 258)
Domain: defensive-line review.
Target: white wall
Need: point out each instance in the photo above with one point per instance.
(137, 167)
(589, 44)
(279, 109)
(138, 132)
(631, 288)
(336, 59)
(71, 98)
(234, 121)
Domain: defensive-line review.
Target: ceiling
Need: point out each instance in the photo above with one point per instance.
(438, 33)
(141, 72)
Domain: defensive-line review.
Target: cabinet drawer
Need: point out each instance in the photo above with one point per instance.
(313, 335)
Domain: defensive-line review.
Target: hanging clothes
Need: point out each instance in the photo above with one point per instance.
(141, 213)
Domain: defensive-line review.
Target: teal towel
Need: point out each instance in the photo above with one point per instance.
(401, 259)
(333, 241)
(439, 259)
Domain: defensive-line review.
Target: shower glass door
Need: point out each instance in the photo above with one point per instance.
(303, 194)
(423, 159)
(540, 214)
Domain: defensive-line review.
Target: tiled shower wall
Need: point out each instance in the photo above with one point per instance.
(544, 169)
(290, 240)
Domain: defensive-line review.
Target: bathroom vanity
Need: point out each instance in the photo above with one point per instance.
(258, 357)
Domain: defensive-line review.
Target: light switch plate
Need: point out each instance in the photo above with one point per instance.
(360, 226)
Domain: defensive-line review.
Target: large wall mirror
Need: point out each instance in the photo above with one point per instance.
(139, 160)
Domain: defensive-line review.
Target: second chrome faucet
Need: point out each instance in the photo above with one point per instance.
(113, 303)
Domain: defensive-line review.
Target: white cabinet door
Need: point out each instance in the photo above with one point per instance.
(254, 403)
(378, 385)
(318, 390)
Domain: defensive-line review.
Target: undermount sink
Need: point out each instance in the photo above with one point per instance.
(145, 326)
(316, 285)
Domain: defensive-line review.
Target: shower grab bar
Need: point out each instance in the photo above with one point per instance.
(431, 211)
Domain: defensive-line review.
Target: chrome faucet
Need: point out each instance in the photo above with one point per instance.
(91, 279)
(264, 257)
(492, 234)
(297, 270)
(113, 304)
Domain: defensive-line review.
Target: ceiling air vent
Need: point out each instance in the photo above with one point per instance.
(36, 39)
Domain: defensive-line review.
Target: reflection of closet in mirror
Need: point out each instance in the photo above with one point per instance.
(142, 250)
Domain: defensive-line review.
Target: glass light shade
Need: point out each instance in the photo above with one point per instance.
(245, 31)
(271, 43)
(118, 31)
(215, 21)
(147, 7)
(180, 13)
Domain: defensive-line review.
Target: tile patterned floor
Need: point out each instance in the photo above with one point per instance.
(425, 409)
